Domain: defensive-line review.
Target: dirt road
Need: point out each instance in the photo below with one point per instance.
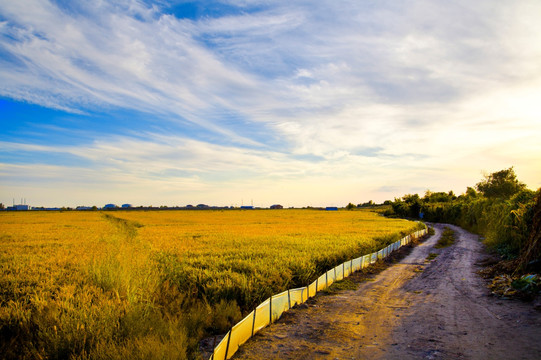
(415, 309)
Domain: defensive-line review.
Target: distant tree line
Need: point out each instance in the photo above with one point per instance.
(499, 207)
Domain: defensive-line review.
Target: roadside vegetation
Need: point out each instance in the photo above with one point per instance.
(146, 285)
(502, 211)
(431, 256)
(447, 238)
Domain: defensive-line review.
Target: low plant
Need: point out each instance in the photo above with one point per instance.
(524, 287)
(345, 284)
(447, 238)
(530, 284)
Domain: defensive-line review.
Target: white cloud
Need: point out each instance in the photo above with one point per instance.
(391, 90)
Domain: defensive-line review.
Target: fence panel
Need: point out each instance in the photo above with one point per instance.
(262, 316)
(312, 290)
(366, 260)
(339, 272)
(347, 268)
(330, 277)
(321, 282)
(279, 304)
(357, 264)
(221, 348)
(240, 333)
(373, 257)
(298, 296)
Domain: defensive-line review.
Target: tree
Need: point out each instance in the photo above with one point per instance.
(366, 204)
(350, 206)
(414, 204)
(502, 184)
(438, 197)
(408, 206)
(471, 193)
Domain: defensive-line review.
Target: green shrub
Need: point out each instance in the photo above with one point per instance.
(447, 238)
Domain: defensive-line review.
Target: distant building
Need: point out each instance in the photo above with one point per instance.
(202, 206)
(247, 207)
(277, 206)
(110, 206)
(18, 207)
(331, 208)
(127, 206)
(83, 208)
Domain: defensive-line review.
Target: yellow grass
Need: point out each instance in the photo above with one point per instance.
(129, 283)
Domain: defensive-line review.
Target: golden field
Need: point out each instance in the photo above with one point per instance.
(151, 284)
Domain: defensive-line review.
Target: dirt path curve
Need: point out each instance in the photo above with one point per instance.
(415, 309)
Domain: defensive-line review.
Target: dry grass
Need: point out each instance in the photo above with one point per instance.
(139, 284)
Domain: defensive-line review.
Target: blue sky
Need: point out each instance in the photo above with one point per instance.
(292, 102)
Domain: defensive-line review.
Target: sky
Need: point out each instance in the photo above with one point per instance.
(236, 102)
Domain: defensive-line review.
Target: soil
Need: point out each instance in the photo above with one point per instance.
(425, 306)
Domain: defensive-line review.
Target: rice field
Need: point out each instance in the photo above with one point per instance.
(151, 284)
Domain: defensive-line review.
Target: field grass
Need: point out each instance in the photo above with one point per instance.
(151, 284)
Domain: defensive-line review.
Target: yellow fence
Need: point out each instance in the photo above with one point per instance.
(271, 309)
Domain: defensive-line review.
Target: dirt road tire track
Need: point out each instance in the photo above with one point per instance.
(416, 309)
